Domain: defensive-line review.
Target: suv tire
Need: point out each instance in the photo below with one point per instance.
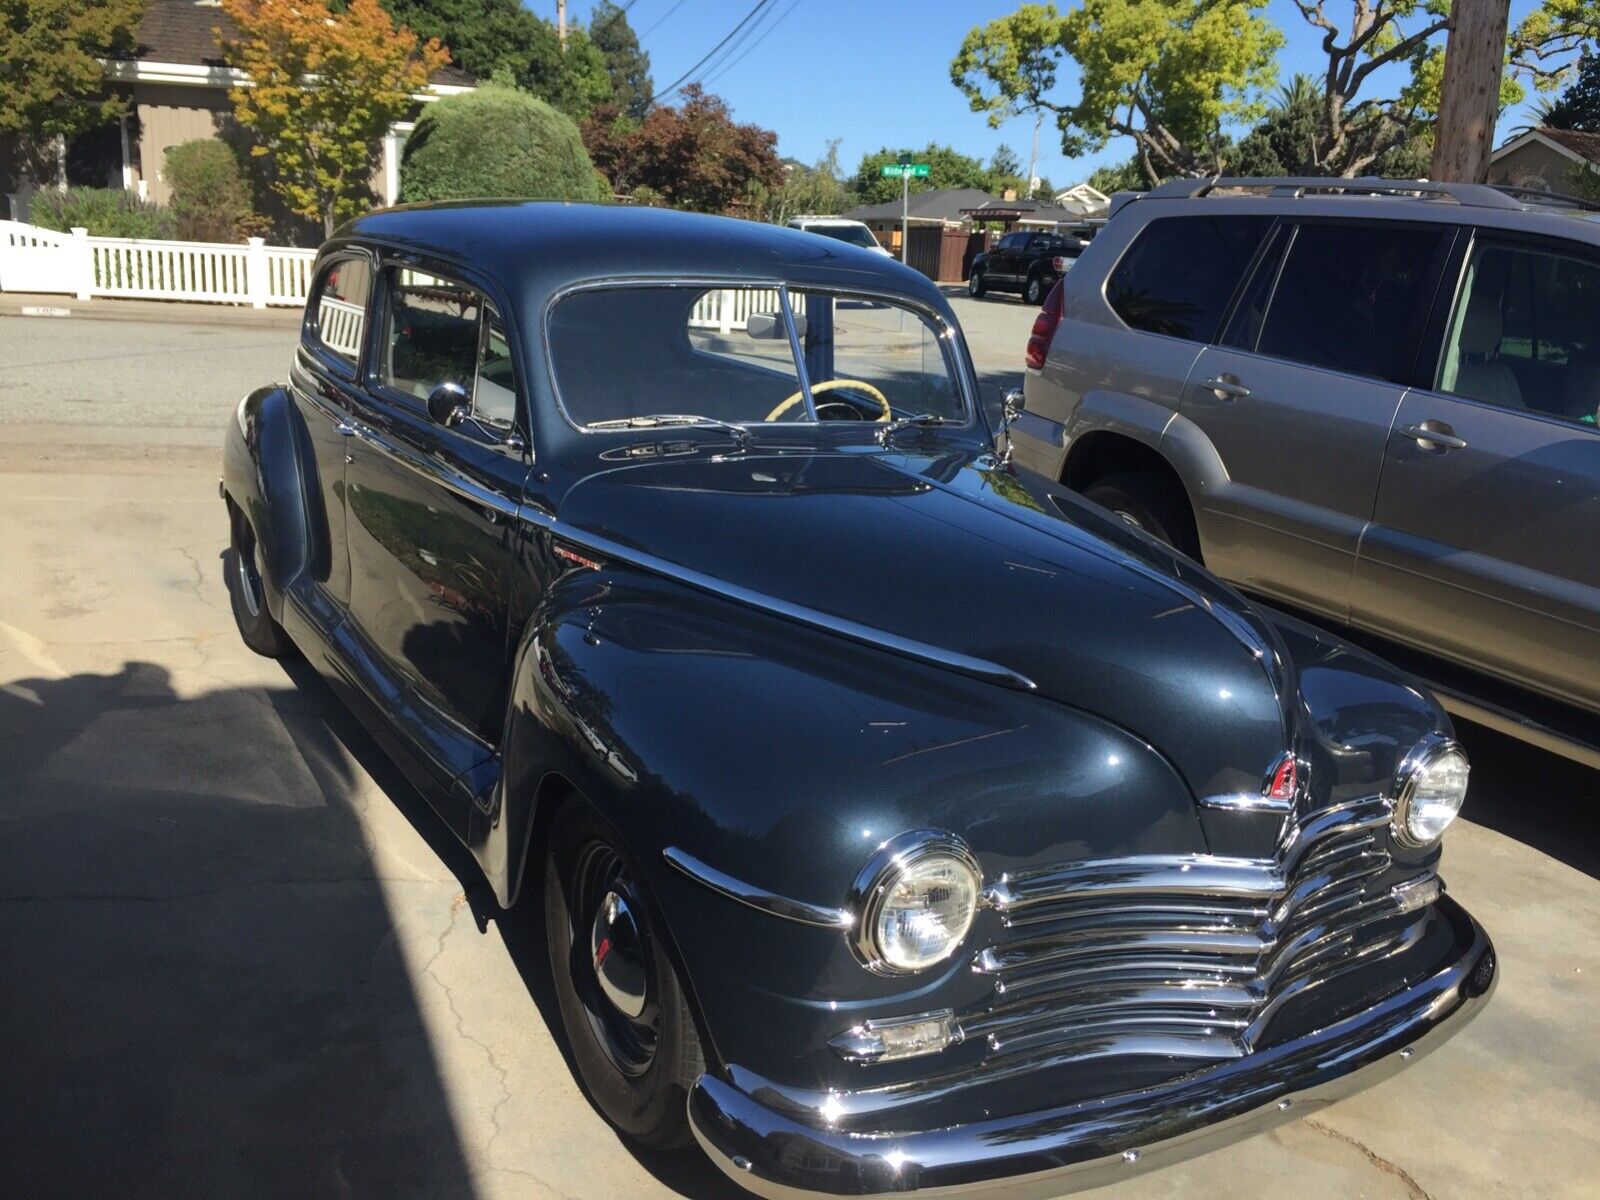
(1146, 502)
(1034, 291)
(975, 284)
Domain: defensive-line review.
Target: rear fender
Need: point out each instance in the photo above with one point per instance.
(263, 453)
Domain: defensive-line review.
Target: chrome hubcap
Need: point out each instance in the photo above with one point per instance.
(248, 564)
(618, 954)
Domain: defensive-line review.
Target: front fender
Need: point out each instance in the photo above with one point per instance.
(784, 756)
(261, 476)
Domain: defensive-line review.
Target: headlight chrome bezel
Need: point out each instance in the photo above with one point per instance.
(1413, 768)
(888, 864)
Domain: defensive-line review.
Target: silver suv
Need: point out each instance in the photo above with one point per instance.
(1375, 402)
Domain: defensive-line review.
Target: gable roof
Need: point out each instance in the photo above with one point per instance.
(942, 204)
(184, 33)
(1569, 143)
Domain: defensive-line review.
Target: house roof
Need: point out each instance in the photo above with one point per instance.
(942, 204)
(1580, 147)
(185, 32)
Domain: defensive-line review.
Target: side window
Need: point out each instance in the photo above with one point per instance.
(1526, 333)
(1177, 277)
(1350, 298)
(1012, 241)
(341, 306)
(438, 331)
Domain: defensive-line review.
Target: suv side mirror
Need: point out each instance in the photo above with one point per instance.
(449, 404)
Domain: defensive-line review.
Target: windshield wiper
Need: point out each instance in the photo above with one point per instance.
(660, 420)
(916, 420)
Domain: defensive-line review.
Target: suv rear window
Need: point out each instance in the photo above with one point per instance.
(1179, 274)
(1349, 297)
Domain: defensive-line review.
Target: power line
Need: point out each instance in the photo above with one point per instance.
(737, 59)
(760, 6)
(654, 25)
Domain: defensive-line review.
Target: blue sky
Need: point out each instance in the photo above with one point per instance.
(876, 72)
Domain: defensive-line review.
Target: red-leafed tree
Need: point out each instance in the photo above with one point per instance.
(691, 156)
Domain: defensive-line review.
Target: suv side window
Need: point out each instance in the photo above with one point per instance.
(438, 331)
(1179, 274)
(1012, 241)
(1526, 333)
(340, 307)
(1350, 297)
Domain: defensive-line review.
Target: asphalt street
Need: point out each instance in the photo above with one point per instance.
(239, 957)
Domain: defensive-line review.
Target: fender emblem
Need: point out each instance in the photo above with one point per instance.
(572, 556)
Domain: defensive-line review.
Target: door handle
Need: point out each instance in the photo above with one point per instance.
(1434, 435)
(1226, 387)
(346, 428)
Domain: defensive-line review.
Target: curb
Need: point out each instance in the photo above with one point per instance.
(156, 312)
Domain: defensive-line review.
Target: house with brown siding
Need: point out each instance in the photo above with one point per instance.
(1546, 160)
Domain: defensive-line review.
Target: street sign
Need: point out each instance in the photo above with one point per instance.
(900, 170)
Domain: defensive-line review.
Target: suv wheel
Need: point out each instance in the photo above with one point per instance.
(1034, 291)
(975, 285)
(1147, 503)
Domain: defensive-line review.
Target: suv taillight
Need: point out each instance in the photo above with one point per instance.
(1044, 328)
(1060, 263)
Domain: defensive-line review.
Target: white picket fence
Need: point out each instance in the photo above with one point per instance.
(253, 273)
(727, 309)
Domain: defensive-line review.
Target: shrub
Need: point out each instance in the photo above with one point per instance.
(104, 212)
(496, 142)
(210, 199)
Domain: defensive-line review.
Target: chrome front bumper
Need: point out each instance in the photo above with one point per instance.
(1054, 1151)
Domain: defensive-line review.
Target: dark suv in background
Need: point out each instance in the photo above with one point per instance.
(1371, 401)
(1028, 263)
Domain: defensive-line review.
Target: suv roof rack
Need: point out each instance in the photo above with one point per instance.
(1476, 195)
(1546, 199)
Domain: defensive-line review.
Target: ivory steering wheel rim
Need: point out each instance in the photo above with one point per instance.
(829, 385)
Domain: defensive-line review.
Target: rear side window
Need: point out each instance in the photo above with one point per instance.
(341, 307)
(1350, 298)
(439, 331)
(1179, 274)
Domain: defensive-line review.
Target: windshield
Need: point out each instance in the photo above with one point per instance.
(621, 354)
(856, 235)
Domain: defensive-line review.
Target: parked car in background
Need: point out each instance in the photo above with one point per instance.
(841, 229)
(892, 830)
(1026, 262)
(1375, 402)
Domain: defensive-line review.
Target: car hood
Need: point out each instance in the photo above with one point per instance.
(951, 561)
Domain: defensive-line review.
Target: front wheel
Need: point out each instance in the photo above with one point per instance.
(623, 1009)
(975, 284)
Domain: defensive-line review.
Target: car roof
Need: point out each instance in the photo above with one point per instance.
(1486, 205)
(540, 247)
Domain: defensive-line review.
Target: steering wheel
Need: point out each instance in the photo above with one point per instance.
(828, 386)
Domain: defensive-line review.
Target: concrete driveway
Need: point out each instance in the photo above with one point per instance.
(239, 957)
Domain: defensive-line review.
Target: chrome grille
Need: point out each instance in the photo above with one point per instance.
(1187, 956)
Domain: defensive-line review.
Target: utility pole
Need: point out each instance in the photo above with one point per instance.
(905, 205)
(561, 22)
(1469, 95)
(1033, 158)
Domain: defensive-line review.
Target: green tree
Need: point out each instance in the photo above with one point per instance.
(1043, 190)
(1552, 41)
(627, 65)
(573, 78)
(1168, 74)
(692, 156)
(319, 93)
(815, 190)
(51, 77)
(1289, 139)
(1579, 106)
(1005, 163)
(1126, 176)
(948, 169)
(537, 150)
(210, 198)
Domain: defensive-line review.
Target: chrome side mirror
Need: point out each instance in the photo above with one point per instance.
(449, 404)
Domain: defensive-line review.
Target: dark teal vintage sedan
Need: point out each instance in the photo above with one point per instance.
(896, 827)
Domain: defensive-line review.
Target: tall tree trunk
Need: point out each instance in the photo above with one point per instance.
(1469, 96)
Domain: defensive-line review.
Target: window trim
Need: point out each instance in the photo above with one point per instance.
(310, 322)
(958, 365)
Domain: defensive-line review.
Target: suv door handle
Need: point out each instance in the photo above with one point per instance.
(1434, 435)
(1227, 387)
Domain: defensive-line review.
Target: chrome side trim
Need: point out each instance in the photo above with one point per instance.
(1245, 802)
(754, 897)
(435, 472)
(950, 660)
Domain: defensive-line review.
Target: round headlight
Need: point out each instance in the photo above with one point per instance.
(1432, 786)
(915, 902)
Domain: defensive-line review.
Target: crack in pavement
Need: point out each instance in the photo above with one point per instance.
(456, 907)
(199, 576)
(1414, 1190)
